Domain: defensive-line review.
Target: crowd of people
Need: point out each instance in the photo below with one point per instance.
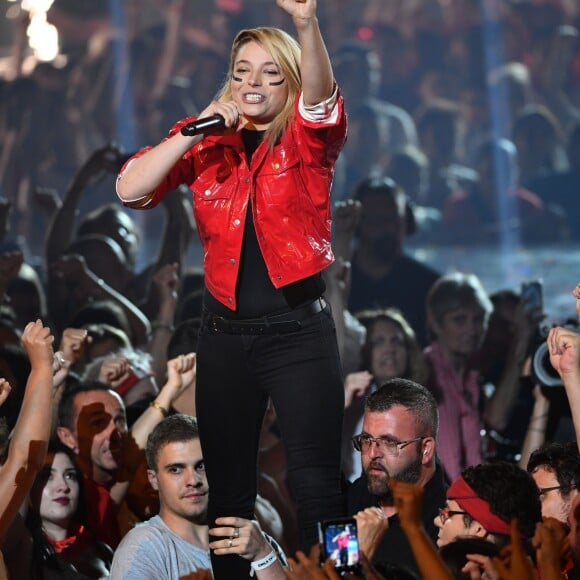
(168, 419)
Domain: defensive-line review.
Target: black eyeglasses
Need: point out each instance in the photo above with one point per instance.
(544, 490)
(389, 446)
(445, 513)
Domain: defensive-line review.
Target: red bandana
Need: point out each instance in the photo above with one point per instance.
(477, 508)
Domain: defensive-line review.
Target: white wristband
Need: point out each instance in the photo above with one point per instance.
(264, 562)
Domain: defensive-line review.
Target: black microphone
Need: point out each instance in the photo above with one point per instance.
(203, 125)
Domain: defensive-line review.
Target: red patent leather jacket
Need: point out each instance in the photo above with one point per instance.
(289, 188)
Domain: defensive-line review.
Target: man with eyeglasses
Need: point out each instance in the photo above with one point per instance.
(398, 440)
(484, 499)
(555, 468)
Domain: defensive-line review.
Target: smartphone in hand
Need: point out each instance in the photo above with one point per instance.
(340, 543)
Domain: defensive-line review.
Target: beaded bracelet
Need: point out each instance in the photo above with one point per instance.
(264, 562)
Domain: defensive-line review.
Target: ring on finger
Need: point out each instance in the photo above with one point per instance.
(236, 532)
(231, 542)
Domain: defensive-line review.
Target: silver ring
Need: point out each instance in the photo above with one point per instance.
(236, 532)
(231, 542)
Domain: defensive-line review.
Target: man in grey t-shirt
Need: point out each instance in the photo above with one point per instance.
(175, 543)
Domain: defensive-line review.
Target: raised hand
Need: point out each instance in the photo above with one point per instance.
(181, 373)
(564, 347)
(5, 389)
(37, 340)
(345, 218)
(552, 546)
(47, 199)
(371, 524)
(356, 385)
(114, 371)
(108, 159)
(480, 567)
(73, 343)
(519, 566)
(166, 281)
(408, 501)
(298, 9)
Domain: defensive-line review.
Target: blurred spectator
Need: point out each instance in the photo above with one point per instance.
(376, 127)
(383, 274)
(458, 309)
(437, 126)
(398, 71)
(561, 188)
(494, 207)
(409, 168)
(540, 144)
(27, 296)
(489, 104)
(560, 76)
(511, 336)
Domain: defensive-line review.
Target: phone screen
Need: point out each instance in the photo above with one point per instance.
(532, 295)
(341, 543)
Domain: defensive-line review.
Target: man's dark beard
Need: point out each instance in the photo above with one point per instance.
(388, 246)
(410, 474)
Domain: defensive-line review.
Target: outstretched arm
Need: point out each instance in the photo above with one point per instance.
(61, 229)
(536, 432)
(499, 407)
(71, 285)
(564, 348)
(181, 373)
(30, 440)
(139, 179)
(315, 66)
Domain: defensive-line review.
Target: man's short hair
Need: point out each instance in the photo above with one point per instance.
(174, 429)
(66, 404)
(384, 186)
(411, 395)
(563, 460)
(510, 492)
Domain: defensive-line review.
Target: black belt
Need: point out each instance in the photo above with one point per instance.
(277, 324)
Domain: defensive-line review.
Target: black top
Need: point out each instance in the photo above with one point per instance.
(256, 295)
(394, 547)
(405, 287)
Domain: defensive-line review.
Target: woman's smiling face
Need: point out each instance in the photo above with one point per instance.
(258, 85)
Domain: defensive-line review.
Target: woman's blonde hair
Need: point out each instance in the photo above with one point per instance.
(285, 52)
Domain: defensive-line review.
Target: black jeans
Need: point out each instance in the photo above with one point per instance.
(301, 372)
